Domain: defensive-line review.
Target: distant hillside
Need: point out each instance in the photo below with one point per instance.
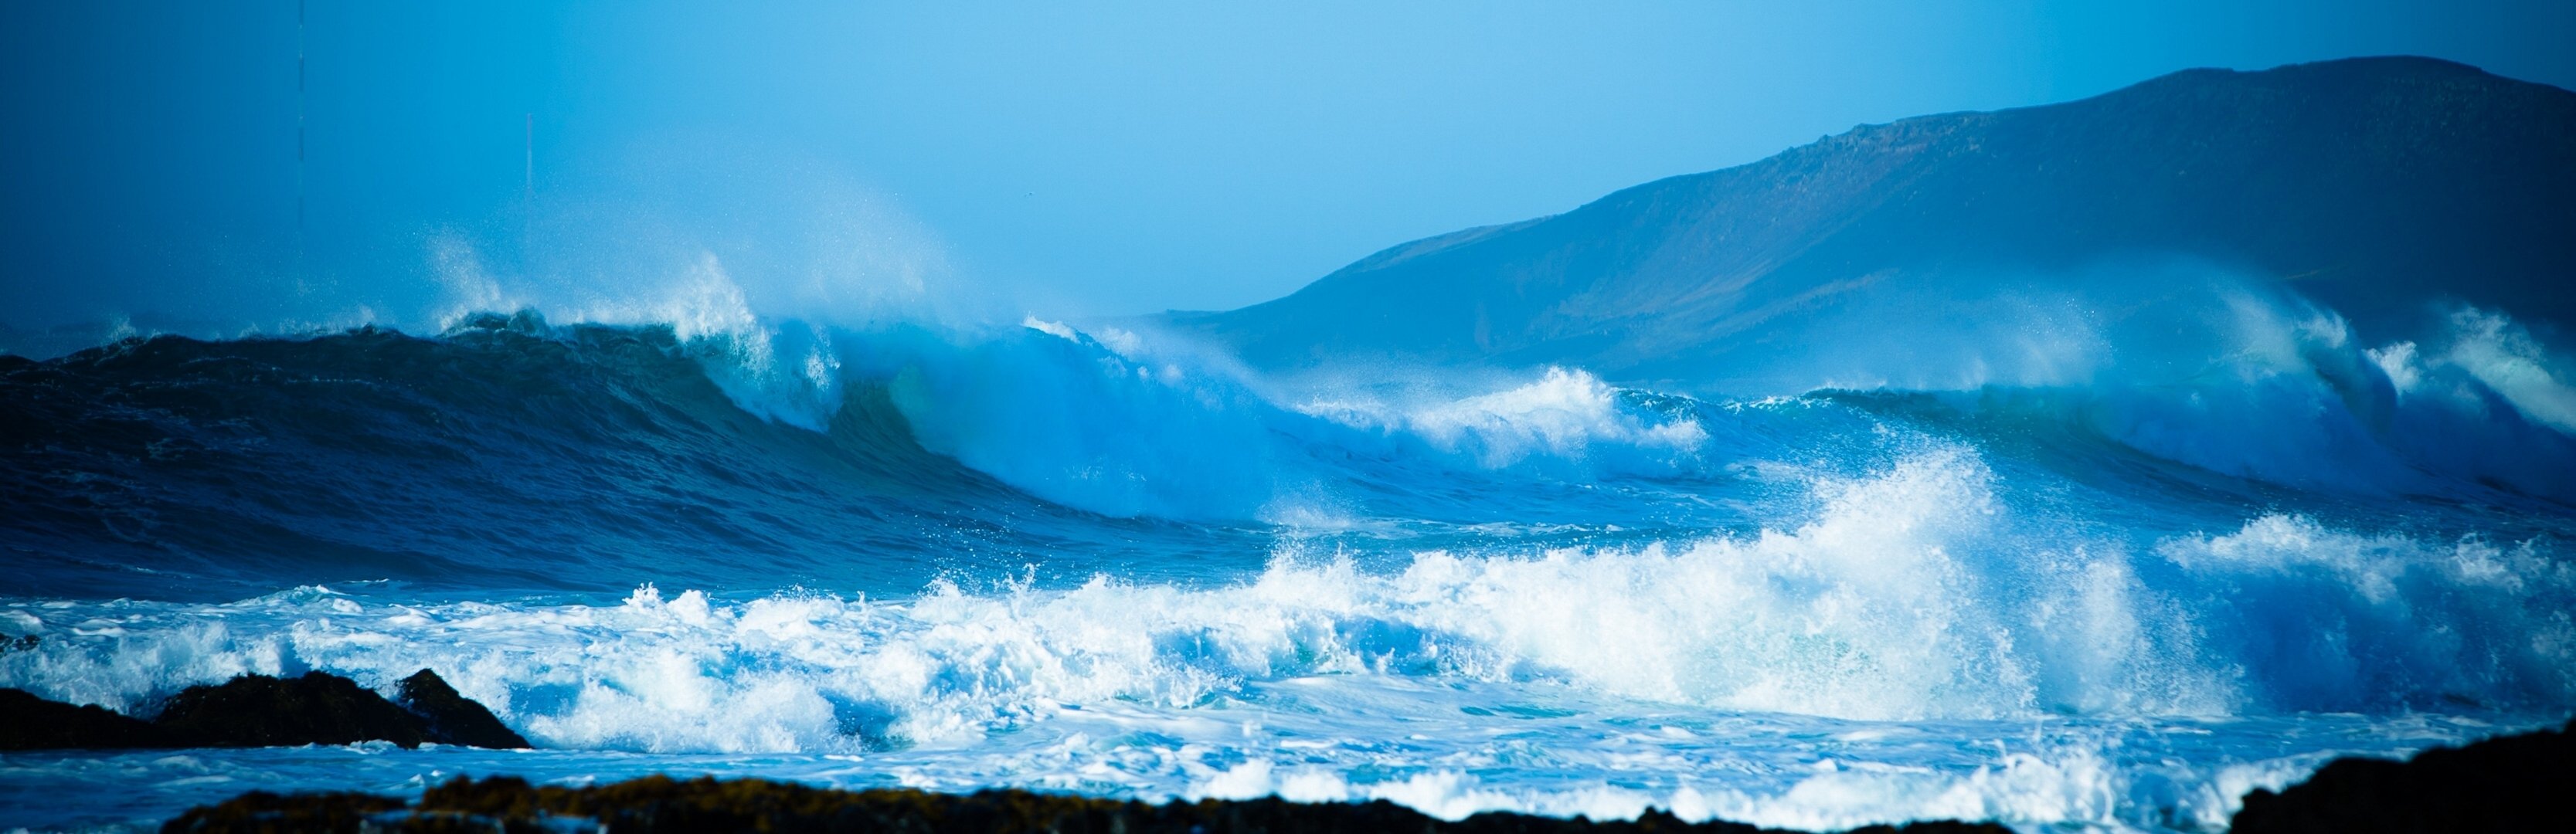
(2377, 186)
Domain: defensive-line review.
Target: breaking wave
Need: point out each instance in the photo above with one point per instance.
(1049, 554)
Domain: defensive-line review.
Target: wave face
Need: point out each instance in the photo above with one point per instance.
(504, 455)
(2113, 590)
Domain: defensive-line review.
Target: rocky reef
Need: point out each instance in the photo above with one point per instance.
(2510, 783)
(262, 711)
(2513, 783)
(663, 804)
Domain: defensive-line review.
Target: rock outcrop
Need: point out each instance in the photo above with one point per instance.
(262, 711)
(31, 723)
(660, 803)
(454, 718)
(2512, 783)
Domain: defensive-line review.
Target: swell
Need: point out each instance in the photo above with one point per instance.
(983, 531)
(501, 455)
(508, 454)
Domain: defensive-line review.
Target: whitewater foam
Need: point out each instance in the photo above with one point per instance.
(1566, 414)
(1117, 570)
(2511, 363)
(1906, 598)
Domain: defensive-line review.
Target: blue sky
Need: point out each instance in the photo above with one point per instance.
(1076, 158)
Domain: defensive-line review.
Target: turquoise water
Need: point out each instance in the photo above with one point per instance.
(2113, 596)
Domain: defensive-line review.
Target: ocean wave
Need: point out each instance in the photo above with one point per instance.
(2305, 408)
(513, 453)
(506, 453)
(1910, 596)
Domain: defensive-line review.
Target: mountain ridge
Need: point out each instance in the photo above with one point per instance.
(2378, 186)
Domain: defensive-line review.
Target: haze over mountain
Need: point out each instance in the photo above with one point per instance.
(2387, 189)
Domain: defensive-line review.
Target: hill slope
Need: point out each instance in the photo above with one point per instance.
(2376, 186)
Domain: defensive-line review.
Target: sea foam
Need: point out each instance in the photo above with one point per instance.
(1908, 596)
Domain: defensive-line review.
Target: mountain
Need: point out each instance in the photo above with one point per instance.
(2380, 187)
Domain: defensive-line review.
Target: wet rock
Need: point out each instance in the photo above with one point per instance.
(2511, 783)
(663, 804)
(454, 718)
(264, 812)
(261, 711)
(31, 723)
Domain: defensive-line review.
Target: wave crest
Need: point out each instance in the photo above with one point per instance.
(1908, 596)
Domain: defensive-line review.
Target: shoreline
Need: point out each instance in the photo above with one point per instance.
(663, 804)
(2501, 783)
(2505, 783)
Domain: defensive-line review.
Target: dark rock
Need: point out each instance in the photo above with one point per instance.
(454, 718)
(2512, 783)
(266, 812)
(660, 803)
(261, 711)
(31, 723)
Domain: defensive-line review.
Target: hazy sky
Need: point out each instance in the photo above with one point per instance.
(1069, 157)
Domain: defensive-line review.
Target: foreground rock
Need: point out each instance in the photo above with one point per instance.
(31, 723)
(2513, 783)
(262, 711)
(454, 718)
(663, 804)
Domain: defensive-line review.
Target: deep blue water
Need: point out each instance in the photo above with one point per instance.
(2114, 595)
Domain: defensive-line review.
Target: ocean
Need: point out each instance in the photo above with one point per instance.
(1101, 559)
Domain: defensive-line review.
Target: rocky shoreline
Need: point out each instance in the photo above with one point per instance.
(2508, 783)
(663, 804)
